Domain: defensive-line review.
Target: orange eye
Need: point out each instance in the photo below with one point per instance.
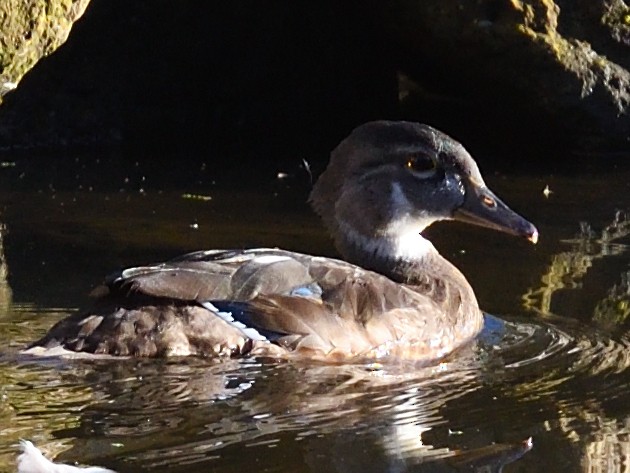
(489, 201)
(420, 164)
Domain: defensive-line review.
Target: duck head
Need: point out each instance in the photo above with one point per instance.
(390, 180)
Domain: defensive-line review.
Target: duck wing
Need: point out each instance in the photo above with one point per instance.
(234, 302)
(213, 275)
(357, 313)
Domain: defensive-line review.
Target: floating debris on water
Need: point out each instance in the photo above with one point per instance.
(32, 460)
(202, 197)
(307, 168)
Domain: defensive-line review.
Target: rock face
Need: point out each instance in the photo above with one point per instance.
(563, 63)
(30, 30)
(154, 71)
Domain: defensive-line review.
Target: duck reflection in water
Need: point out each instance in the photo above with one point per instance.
(337, 418)
(394, 296)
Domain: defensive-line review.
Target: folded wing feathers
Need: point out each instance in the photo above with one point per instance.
(235, 276)
(324, 306)
(249, 332)
(188, 284)
(295, 299)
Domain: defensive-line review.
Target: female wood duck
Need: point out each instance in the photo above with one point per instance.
(393, 296)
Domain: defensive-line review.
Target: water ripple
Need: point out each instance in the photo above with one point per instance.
(532, 375)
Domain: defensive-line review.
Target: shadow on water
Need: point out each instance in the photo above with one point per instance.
(551, 363)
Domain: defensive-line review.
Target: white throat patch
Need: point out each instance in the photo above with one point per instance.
(401, 238)
(403, 231)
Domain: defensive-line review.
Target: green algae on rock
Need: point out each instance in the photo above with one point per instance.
(30, 30)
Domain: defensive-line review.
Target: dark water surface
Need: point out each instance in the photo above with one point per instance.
(552, 363)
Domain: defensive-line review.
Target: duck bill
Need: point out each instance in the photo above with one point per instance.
(481, 207)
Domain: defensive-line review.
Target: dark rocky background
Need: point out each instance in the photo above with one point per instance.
(258, 84)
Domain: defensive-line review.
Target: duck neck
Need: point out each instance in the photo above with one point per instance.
(403, 258)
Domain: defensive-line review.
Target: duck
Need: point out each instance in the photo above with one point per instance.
(391, 296)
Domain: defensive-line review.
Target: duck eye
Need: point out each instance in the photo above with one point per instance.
(489, 201)
(420, 164)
